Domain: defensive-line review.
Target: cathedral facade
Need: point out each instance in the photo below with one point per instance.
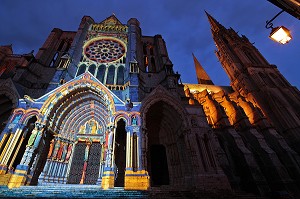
(102, 105)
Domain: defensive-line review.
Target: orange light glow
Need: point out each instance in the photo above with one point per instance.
(281, 34)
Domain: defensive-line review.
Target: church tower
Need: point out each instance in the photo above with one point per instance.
(202, 76)
(258, 81)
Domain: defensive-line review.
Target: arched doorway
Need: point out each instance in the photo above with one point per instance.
(159, 165)
(166, 150)
(120, 153)
(78, 122)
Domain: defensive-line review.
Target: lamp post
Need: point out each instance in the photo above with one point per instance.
(279, 34)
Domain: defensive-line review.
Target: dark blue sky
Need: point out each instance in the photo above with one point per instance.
(182, 23)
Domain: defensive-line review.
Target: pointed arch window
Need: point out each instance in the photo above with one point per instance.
(120, 75)
(92, 69)
(153, 64)
(251, 57)
(145, 49)
(151, 50)
(110, 75)
(146, 63)
(101, 73)
(64, 61)
(61, 45)
(68, 45)
(198, 141)
(81, 70)
(54, 59)
(278, 80)
(209, 151)
(266, 79)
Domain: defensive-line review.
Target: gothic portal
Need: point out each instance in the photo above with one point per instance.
(111, 111)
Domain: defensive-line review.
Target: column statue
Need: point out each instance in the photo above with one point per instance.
(60, 151)
(50, 148)
(69, 152)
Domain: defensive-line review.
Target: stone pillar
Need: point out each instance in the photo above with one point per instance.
(139, 179)
(9, 152)
(3, 167)
(86, 158)
(69, 159)
(144, 142)
(105, 74)
(29, 159)
(108, 178)
(128, 149)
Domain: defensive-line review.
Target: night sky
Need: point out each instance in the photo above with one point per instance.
(182, 23)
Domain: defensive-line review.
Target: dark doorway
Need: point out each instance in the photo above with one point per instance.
(92, 171)
(77, 163)
(120, 153)
(163, 123)
(159, 165)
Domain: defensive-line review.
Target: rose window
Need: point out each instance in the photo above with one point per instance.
(104, 50)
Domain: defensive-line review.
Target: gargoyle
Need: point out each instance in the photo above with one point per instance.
(28, 100)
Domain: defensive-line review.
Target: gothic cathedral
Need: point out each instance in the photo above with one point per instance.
(103, 106)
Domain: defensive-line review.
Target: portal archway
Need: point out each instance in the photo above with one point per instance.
(78, 122)
(167, 153)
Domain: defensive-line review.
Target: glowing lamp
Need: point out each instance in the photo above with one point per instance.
(281, 35)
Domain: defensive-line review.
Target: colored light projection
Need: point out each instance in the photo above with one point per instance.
(104, 50)
(91, 127)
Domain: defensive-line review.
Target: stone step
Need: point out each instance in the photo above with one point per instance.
(94, 191)
(75, 193)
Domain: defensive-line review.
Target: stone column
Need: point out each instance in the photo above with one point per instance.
(86, 158)
(144, 142)
(128, 149)
(108, 178)
(29, 158)
(135, 180)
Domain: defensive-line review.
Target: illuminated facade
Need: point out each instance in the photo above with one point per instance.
(102, 105)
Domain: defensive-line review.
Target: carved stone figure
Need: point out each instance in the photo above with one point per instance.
(69, 152)
(50, 148)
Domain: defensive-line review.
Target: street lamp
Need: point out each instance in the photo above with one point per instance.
(279, 34)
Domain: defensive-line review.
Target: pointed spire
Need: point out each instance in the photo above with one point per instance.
(214, 24)
(202, 76)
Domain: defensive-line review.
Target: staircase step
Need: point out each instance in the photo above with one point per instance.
(94, 191)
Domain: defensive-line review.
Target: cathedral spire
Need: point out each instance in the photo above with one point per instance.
(214, 24)
(202, 76)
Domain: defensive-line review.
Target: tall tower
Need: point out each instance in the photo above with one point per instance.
(202, 76)
(258, 81)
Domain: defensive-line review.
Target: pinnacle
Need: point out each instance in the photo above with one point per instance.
(215, 25)
(202, 76)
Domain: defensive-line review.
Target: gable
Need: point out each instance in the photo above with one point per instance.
(81, 81)
(111, 21)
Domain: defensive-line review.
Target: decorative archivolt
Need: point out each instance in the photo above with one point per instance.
(23, 115)
(78, 121)
(130, 118)
(161, 94)
(70, 89)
